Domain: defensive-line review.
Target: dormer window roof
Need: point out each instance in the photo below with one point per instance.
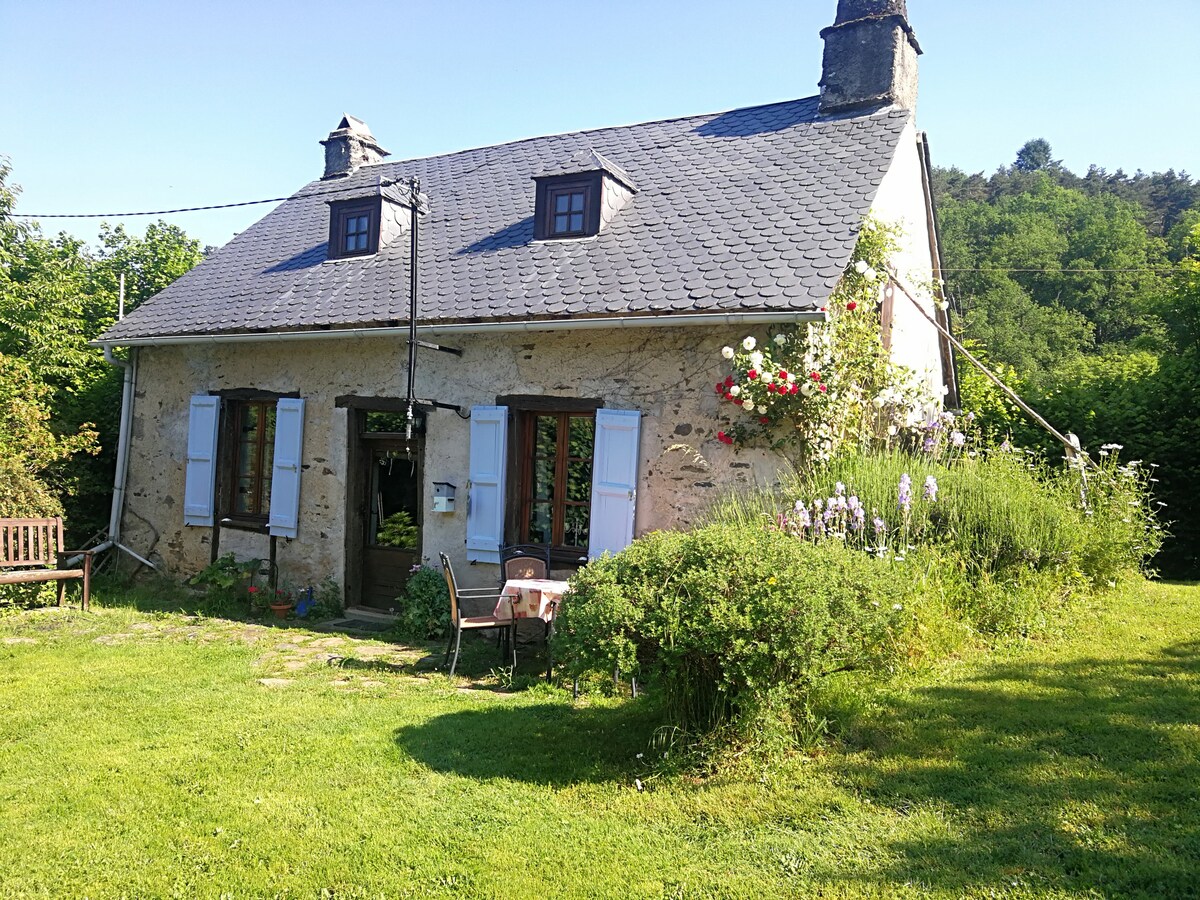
(579, 197)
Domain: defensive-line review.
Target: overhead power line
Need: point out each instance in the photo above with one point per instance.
(183, 209)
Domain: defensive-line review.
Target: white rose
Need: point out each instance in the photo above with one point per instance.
(892, 430)
(942, 305)
(727, 352)
(767, 377)
(861, 266)
(749, 344)
(870, 274)
(791, 377)
(756, 359)
(735, 390)
(806, 389)
(762, 410)
(781, 339)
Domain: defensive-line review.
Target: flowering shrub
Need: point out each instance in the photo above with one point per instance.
(825, 387)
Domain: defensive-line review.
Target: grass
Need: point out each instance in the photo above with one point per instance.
(141, 755)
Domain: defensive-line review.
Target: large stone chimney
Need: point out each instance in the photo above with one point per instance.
(349, 146)
(870, 57)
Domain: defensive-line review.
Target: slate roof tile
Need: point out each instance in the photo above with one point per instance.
(752, 209)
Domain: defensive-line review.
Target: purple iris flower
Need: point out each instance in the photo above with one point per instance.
(904, 498)
(931, 488)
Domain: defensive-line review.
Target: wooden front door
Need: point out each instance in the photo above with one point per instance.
(391, 519)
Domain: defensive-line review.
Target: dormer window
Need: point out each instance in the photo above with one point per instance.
(569, 207)
(579, 197)
(353, 228)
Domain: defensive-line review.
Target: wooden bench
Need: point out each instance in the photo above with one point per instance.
(31, 550)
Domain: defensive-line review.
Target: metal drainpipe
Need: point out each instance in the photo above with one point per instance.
(124, 431)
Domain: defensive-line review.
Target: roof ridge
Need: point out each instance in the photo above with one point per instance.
(585, 131)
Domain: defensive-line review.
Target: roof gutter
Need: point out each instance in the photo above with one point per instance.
(608, 322)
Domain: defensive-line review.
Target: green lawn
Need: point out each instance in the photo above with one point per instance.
(142, 755)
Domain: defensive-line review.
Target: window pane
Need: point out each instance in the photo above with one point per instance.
(579, 481)
(581, 439)
(575, 526)
(243, 497)
(577, 202)
(562, 203)
(540, 530)
(560, 224)
(543, 479)
(546, 436)
(349, 243)
(576, 222)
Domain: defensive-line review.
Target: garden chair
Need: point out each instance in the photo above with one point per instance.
(524, 561)
(460, 623)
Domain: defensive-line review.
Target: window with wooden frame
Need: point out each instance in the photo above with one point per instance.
(567, 207)
(555, 484)
(353, 228)
(251, 434)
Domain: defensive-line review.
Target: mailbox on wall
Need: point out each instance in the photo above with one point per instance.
(443, 497)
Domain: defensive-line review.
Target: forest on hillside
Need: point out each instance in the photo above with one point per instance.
(1082, 291)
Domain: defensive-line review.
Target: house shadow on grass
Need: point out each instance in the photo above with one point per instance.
(1082, 777)
(552, 743)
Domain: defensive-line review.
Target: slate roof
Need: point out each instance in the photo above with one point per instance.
(753, 210)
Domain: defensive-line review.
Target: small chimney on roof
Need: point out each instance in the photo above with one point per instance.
(870, 57)
(349, 146)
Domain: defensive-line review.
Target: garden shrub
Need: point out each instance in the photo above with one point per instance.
(424, 609)
(734, 623)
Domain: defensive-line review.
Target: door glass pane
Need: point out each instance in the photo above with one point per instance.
(545, 439)
(579, 481)
(575, 526)
(581, 438)
(540, 523)
(393, 519)
(543, 479)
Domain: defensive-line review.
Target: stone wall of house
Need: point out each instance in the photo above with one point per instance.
(666, 373)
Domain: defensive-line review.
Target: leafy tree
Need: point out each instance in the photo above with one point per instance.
(1035, 155)
(55, 296)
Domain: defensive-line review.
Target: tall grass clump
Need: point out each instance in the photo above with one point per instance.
(1023, 535)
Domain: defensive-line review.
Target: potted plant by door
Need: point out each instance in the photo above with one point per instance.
(281, 603)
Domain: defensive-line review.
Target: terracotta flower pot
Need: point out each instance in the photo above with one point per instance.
(281, 609)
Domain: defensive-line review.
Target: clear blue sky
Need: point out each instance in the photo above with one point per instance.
(112, 106)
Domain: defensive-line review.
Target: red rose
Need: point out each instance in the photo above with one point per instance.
(763, 420)
(252, 590)
(771, 388)
(720, 388)
(852, 306)
(795, 388)
(782, 375)
(729, 396)
(737, 400)
(728, 381)
(816, 376)
(751, 374)
(821, 388)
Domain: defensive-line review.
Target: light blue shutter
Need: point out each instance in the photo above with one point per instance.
(614, 480)
(485, 491)
(200, 472)
(285, 469)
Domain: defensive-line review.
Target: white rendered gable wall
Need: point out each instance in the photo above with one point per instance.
(901, 201)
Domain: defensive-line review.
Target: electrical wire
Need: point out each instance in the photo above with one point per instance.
(164, 212)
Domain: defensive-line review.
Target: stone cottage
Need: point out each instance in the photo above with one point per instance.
(572, 294)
